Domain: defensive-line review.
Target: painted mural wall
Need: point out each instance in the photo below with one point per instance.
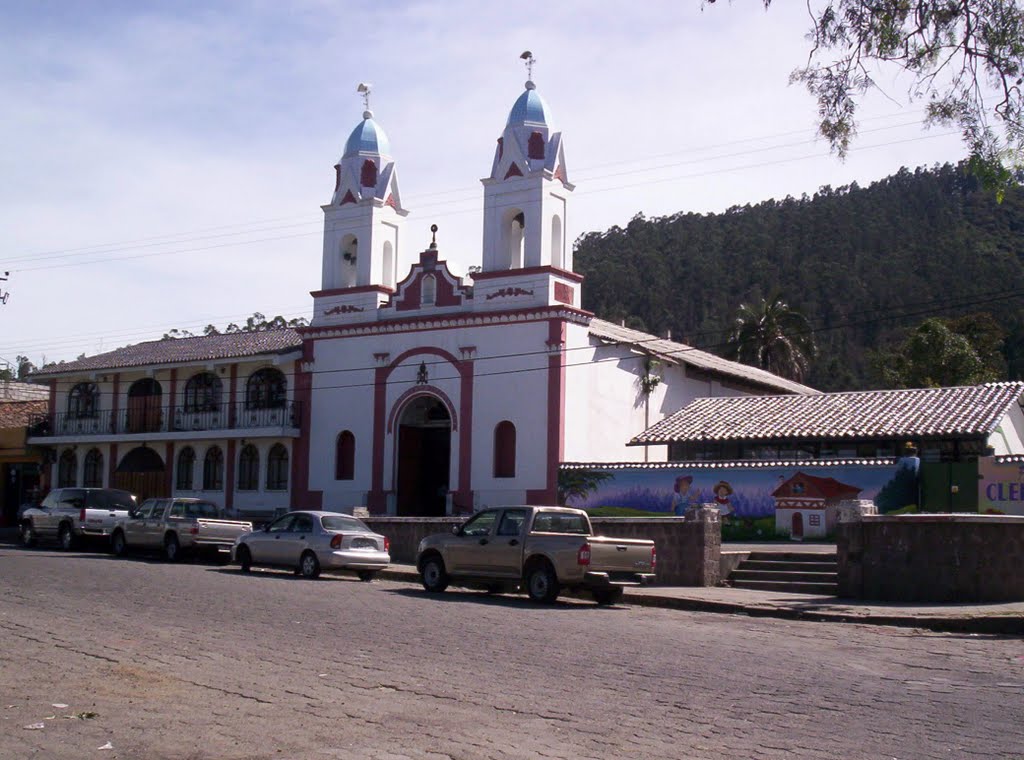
(746, 494)
(1000, 487)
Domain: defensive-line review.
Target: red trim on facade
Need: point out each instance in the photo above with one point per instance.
(232, 395)
(563, 293)
(368, 174)
(169, 459)
(556, 415)
(301, 496)
(513, 171)
(535, 145)
(115, 397)
(53, 404)
(229, 477)
(462, 500)
(111, 465)
(349, 198)
(377, 499)
(173, 395)
(564, 273)
(352, 291)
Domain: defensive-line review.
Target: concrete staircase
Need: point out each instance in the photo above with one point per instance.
(793, 572)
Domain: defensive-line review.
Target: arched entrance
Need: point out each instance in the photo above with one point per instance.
(424, 457)
(142, 472)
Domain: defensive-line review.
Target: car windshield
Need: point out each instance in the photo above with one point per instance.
(343, 522)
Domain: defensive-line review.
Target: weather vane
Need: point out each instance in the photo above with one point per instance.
(527, 56)
(364, 90)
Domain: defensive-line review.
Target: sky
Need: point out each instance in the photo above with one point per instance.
(164, 164)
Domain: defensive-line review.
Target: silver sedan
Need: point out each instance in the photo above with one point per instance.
(309, 542)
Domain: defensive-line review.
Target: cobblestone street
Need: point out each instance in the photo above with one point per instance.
(199, 661)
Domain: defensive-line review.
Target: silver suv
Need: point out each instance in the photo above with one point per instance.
(69, 514)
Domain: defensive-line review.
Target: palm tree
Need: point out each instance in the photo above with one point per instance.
(774, 337)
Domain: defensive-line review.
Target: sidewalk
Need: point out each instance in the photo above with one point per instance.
(1003, 618)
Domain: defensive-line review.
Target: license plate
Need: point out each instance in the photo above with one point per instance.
(364, 543)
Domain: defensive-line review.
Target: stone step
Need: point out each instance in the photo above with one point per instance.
(771, 566)
(788, 576)
(824, 589)
(784, 556)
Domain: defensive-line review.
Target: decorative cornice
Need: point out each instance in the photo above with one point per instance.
(449, 321)
(563, 273)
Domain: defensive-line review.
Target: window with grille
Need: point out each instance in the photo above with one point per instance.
(248, 468)
(277, 468)
(213, 469)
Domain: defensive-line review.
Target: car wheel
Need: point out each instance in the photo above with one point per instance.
(606, 596)
(244, 559)
(172, 549)
(433, 575)
(366, 575)
(66, 537)
(542, 584)
(118, 546)
(309, 565)
(28, 535)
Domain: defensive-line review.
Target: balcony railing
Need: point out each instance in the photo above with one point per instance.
(163, 420)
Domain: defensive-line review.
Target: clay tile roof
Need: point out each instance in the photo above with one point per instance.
(182, 351)
(929, 412)
(680, 353)
(19, 414)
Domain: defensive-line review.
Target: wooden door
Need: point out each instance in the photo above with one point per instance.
(798, 525)
(410, 443)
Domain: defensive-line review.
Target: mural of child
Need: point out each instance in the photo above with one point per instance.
(723, 491)
(680, 500)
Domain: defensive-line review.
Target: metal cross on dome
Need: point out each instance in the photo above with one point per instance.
(527, 56)
(364, 89)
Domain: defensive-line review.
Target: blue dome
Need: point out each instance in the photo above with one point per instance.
(530, 108)
(368, 137)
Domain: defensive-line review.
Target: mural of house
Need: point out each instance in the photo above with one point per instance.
(806, 505)
(412, 391)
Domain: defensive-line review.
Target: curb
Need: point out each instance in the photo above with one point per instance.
(989, 624)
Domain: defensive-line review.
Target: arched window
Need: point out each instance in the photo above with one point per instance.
(203, 393)
(556, 242)
(505, 450)
(213, 469)
(514, 236)
(345, 457)
(535, 145)
(186, 469)
(265, 389)
(349, 253)
(67, 469)
(83, 401)
(92, 469)
(368, 174)
(428, 292)
(248, 468)
(277, 468)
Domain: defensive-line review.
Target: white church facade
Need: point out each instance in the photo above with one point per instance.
(411, 392)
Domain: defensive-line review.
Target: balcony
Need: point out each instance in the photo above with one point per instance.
(156, 419)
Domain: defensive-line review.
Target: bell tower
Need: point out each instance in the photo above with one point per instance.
(526, 195)
(362, 223)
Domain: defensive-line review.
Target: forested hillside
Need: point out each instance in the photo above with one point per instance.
(862, 264)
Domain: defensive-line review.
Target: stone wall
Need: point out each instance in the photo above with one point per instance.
(688, 548)
(932, 558)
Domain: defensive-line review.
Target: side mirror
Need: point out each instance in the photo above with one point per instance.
(266, 528)
(456, 529)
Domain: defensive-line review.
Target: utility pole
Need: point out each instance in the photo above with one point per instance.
(4, 294)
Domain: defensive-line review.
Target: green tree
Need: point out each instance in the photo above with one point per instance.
(256, 323)
(965, 58)
(774, 337)
(576, 484)
(933, 356)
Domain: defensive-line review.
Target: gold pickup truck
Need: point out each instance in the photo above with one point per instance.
(545, 549)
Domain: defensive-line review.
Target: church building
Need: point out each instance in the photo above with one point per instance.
(410, 392)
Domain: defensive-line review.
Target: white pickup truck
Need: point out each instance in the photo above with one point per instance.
(70, 514)
(175, 526)
(547, 549)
